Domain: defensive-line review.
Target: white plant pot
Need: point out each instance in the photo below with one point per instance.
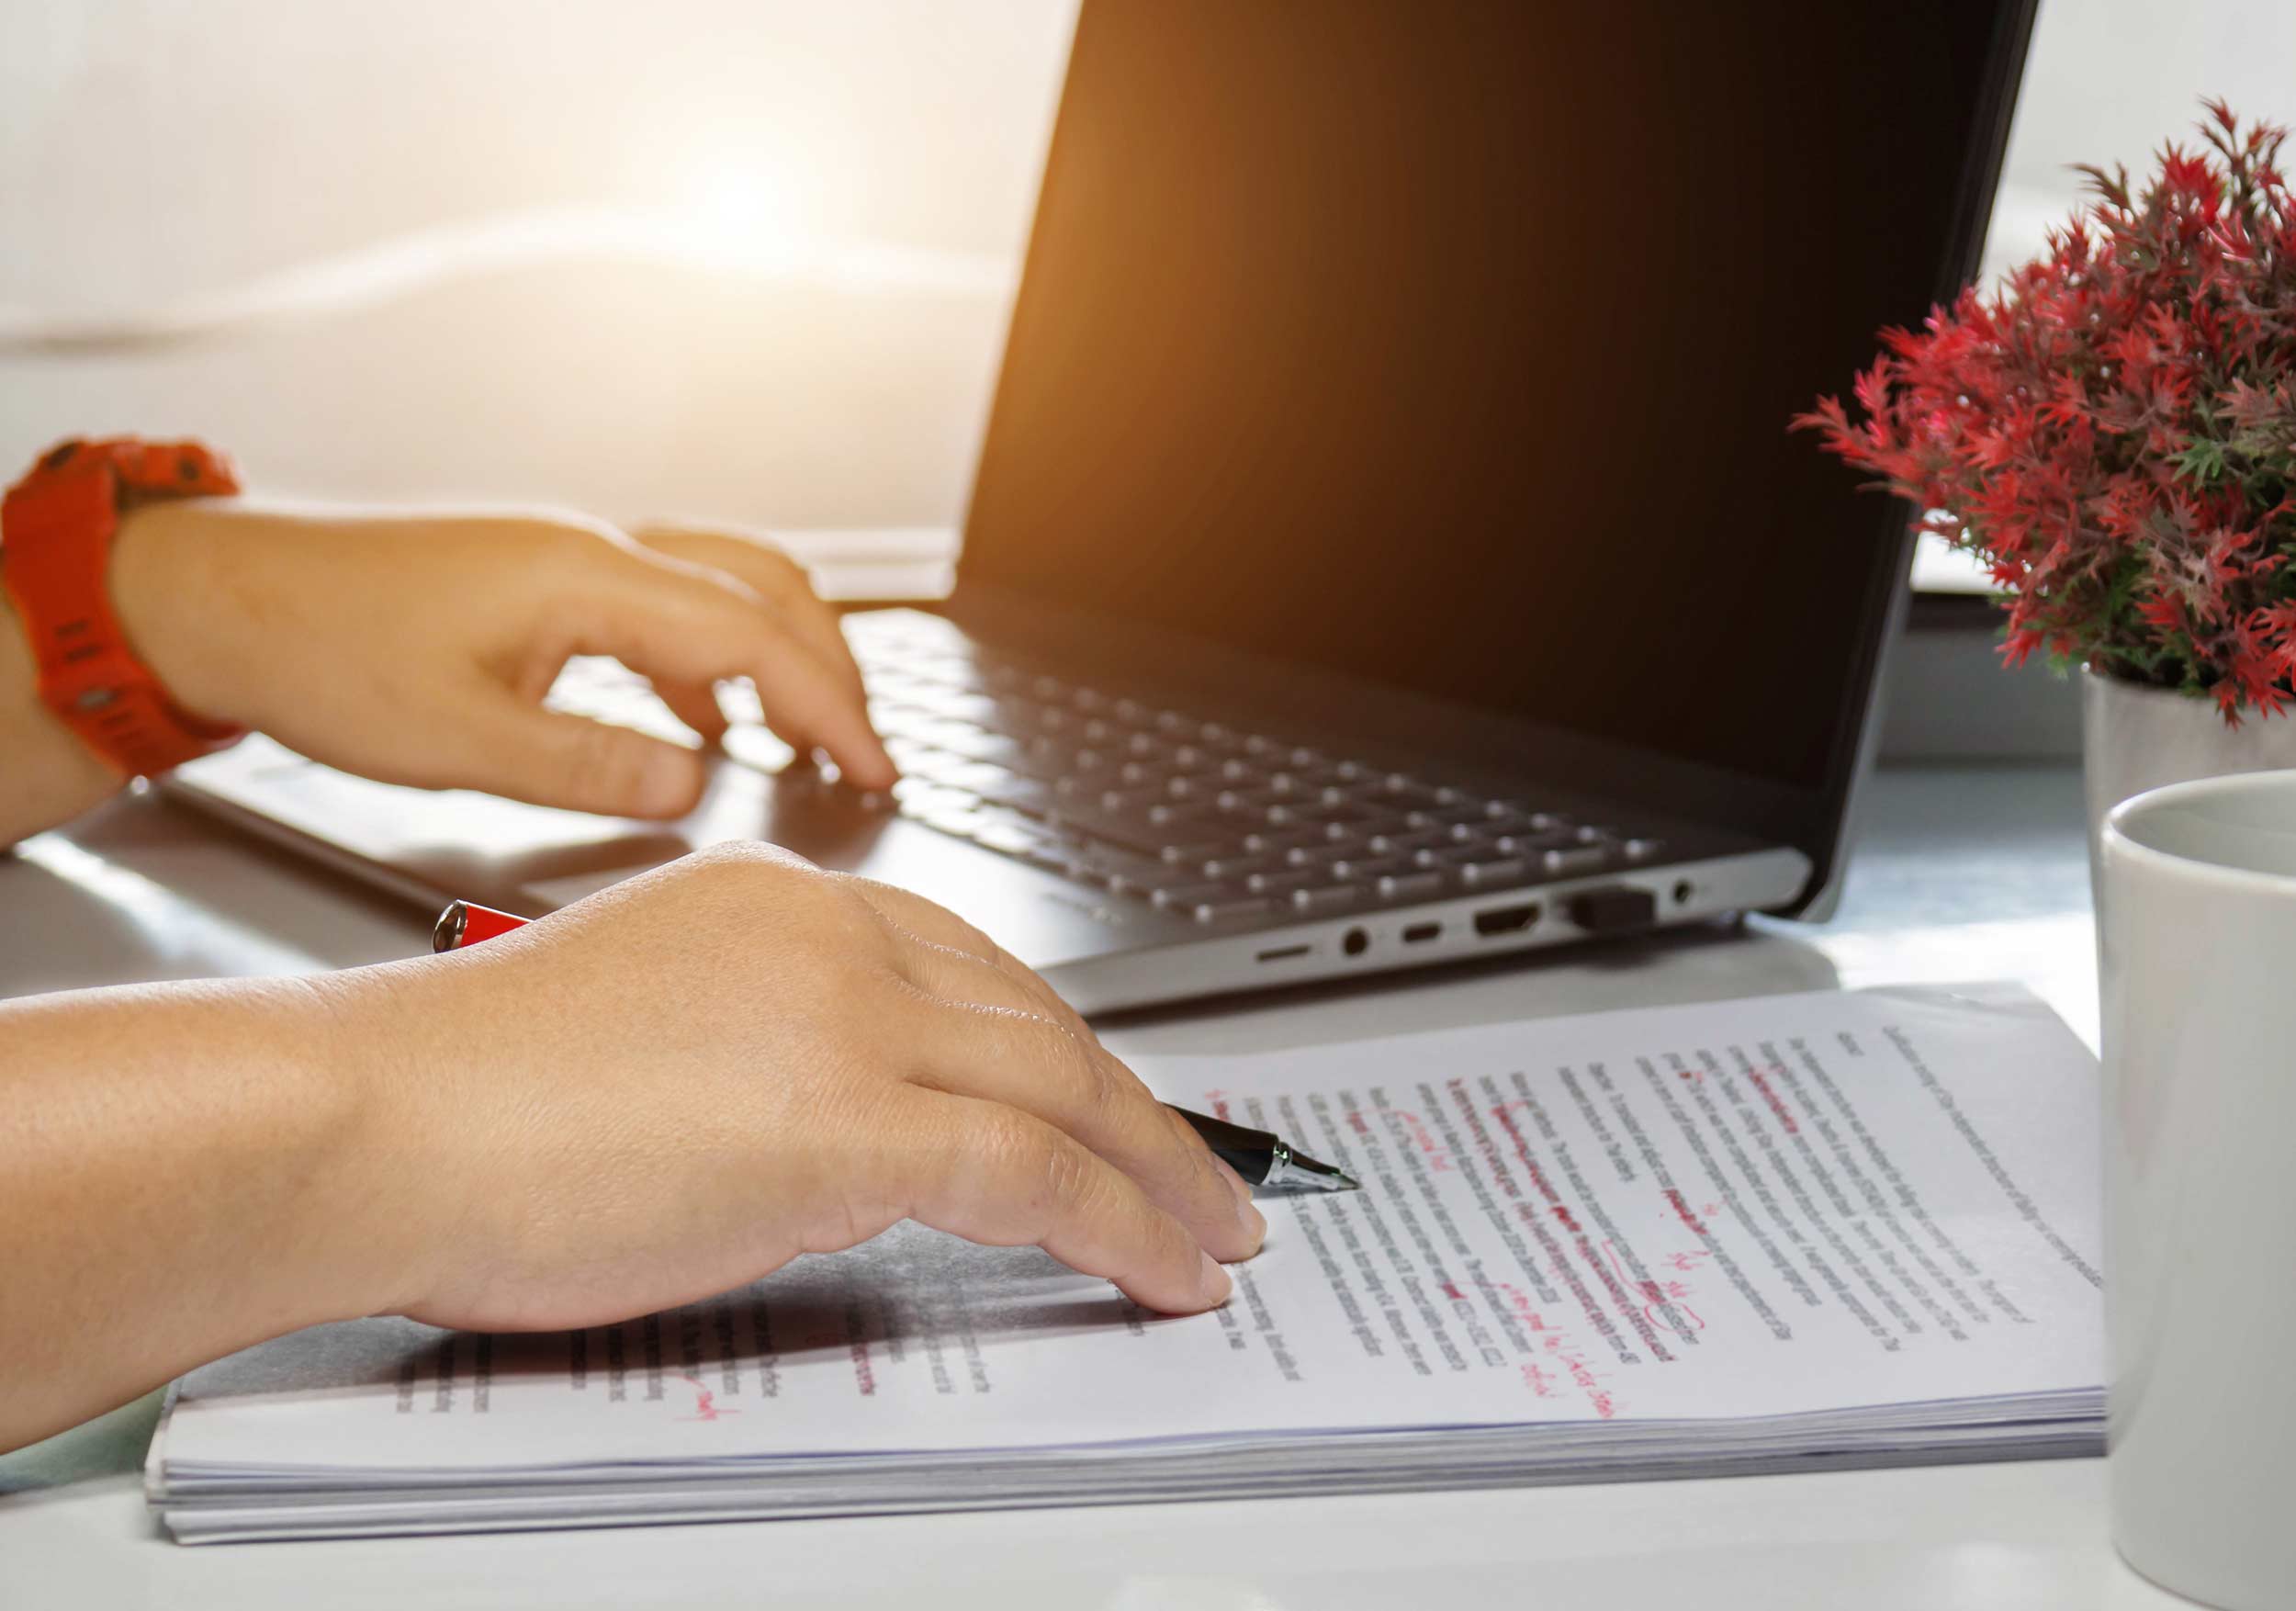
(2134, 737)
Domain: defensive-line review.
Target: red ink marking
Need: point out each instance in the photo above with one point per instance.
(1438, 1157)
(1688, 1263)
(1587, 1379)
(1683, 1212)
(1611, 1248)
(1612, 1287)
(1218, 1102)
(1563, 1214)
(1539, 1175)
(1770, 1097)
(1450, 1290)
(1657, 1311)
(705, 1404)
(1659, 1292)
(1538, 1380)
(1519, 1302)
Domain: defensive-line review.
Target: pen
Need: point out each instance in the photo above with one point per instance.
(1263, 1159)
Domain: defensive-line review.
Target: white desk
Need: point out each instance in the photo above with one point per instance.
(1961, 875)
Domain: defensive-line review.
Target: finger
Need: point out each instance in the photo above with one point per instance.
(787, 597)
(1010, 1180)
(981, 1037)
(695, 705)
(913, 916)
(550, 758)
(675, 624)
(780, 581)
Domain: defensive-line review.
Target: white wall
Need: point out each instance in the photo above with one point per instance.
(154, 152)
(2108, 81)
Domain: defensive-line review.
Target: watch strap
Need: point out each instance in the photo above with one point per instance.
(56, 531)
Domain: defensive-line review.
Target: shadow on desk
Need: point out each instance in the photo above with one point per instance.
(141, 890)
(111, 1443)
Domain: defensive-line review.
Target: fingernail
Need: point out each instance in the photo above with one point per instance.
(1217, 1284)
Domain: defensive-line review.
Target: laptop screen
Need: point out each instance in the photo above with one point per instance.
(1452, 344)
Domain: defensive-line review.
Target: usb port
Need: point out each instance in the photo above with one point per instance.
(1506, 919)
(1283, 954)
(1419, 932)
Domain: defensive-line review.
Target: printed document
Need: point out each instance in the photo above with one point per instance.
(1841, 1225)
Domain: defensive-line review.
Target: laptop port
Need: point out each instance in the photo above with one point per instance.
(1420, 932)
(1506, 919)
(1356, 943)
(1283, 954)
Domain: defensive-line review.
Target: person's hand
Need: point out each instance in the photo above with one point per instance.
(417, 649)
(680, 1083)
(654, 1095)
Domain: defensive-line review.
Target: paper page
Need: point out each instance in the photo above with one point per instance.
(1750, 1208)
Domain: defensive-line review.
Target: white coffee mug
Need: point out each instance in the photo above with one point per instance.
(2197, 939)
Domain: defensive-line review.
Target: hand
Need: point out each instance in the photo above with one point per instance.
(680, 1083)
(417, 649)
(656, 1095)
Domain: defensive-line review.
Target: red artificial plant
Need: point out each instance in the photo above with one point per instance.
(2114, 430)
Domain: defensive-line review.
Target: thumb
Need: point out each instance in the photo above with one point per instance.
(550, 757)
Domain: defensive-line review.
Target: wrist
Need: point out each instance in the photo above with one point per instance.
(46, 775)
(169, 589)
(352, 1212)
(58, 522)
(400, 1186)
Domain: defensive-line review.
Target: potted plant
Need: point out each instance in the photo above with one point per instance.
(2112, 432)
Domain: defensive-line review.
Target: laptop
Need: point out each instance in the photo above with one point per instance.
(1387, 547)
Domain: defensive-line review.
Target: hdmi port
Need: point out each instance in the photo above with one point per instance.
(1506, 919)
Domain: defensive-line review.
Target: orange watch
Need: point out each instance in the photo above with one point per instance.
(56, 530)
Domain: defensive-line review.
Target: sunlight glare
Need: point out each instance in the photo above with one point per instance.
(738, 218)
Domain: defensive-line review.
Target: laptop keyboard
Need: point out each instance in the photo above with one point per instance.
(1143, 802)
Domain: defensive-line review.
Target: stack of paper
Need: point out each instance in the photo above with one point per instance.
(1837, 1229)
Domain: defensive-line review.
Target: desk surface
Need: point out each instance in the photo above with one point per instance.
(1958, 875)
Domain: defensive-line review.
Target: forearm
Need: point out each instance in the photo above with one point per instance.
(47, 776)
(185, 1170)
